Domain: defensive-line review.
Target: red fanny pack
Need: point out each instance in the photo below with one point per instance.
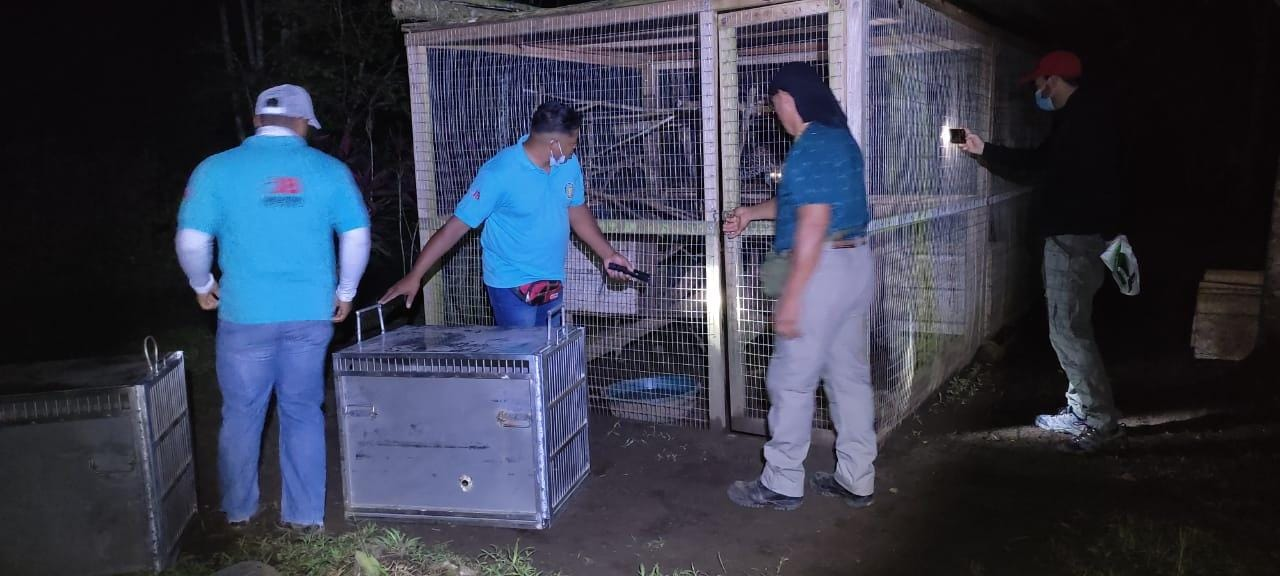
(538, 292)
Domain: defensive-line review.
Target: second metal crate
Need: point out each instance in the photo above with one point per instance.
(99, 477)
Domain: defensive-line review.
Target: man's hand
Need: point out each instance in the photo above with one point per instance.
(209, 300)
(973, 143)
(737, 220)
(786, 317)
(620, 260)
(407, 287)
(340, 310)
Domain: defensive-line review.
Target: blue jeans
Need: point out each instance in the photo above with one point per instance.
(509, 311)
(254, 360)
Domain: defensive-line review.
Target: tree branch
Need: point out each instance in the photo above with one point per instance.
(228, 56)
(248, 35)
(257, 32)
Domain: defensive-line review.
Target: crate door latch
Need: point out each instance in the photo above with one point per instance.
(514, 419)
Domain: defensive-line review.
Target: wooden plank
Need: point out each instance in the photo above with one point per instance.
(425, 172)
(838, 51)
(649, 99)
(818, 51)
(730, 197)
(552, 20)
(623, 41)
(644, 43)
(857, 79)
(774, 13)
(611, 340)
(1245, 277)
(987, 303)
(657, 227)
(551, 52)
(717, 381)
(490, 23)
(918, 44)
(612, 12)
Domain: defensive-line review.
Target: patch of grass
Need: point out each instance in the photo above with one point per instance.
(1130, 546)
(368, 551)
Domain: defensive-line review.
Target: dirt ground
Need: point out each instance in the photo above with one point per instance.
(965, 487)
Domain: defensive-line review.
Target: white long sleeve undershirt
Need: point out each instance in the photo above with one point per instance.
(353, 257)
(195, 255)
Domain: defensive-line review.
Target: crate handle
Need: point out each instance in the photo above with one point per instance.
(359, 410)
(151, 351)
(382, 325)
(551, 328)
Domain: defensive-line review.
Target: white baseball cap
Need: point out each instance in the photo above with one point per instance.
(287, 100)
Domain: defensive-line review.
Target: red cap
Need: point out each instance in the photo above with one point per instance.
(1056, 63)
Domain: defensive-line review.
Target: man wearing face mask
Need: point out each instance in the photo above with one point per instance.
(1078, 166)
(528, 196)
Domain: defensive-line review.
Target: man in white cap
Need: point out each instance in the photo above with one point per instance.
(273, 204)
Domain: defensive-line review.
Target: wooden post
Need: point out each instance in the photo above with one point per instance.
(709, 71)
(981, 231)
(857, 40)
(649, 99)
(425, 171)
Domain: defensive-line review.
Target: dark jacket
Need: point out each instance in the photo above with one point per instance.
(1077, 169)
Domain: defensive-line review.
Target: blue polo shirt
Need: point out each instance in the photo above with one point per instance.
(824, 166)
(525, 212)
(274, 204)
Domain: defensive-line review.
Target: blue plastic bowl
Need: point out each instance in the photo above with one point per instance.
(652, 388)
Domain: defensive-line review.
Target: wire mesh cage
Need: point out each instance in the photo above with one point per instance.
(677, 128)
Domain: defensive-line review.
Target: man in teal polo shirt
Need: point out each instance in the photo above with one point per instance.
(528, 196)
(274, 204)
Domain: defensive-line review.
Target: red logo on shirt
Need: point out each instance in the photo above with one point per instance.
(285, 185)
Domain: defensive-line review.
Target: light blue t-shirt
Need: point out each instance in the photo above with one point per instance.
(274, 204)
(525, 212)
(825, 166)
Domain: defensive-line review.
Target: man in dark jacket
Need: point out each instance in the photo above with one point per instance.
(1078, 167)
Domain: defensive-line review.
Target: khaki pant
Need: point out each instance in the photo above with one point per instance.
(834, 346)
(1073, 273)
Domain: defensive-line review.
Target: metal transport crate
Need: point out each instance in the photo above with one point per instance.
(463, 424)
(98, 475)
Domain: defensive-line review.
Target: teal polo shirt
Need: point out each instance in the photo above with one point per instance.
(274, 204)
(525, 212)
(825, 166)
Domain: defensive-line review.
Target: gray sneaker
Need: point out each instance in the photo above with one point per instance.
(753, 494)
(1092, 439)
(1064, 422)
(826, 484)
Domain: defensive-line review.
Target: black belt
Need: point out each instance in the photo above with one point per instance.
(849, 243)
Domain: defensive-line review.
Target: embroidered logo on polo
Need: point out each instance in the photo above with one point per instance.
(568, 190)
(283, 192)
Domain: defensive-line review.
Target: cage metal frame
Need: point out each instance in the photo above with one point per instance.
(849, 45)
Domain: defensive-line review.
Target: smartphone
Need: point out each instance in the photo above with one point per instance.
(958, 136)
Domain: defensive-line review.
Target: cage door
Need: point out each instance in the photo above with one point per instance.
(753, 44)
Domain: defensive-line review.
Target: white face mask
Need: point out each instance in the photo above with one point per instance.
(558, 160)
